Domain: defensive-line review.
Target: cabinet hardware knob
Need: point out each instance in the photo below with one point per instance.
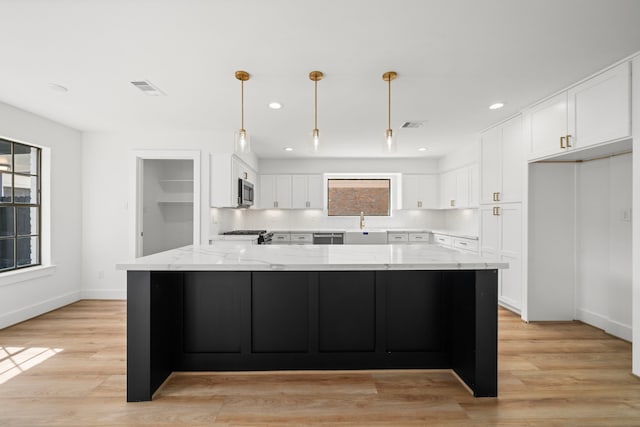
(568, 144)
(498, 196)
(562, 142)
(453, 202)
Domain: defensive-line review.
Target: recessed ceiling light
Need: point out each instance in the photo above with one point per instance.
(288, 149)
(422, 149)
(58, 88)
(275, 105)
(496, 106)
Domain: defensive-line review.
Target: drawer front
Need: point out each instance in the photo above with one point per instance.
(281, 238)
(442, 239)
(301, 238)
(419, 237)
(466, 244)
(397, 237)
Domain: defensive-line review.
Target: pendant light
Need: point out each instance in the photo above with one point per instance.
(315, 76)
(242, 143)
(390, 145)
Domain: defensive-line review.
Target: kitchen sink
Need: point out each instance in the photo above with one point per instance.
(364, 237)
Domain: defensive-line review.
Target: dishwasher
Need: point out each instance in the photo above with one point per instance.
(328, 238)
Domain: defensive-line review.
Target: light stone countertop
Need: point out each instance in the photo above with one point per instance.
(230, 256)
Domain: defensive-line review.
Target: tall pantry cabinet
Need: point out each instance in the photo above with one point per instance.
(501, 206)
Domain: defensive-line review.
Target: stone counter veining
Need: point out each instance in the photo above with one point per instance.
(246, 257)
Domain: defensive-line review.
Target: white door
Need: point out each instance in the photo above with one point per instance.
(267, 191)
(511, 162)
(315, 191)
(510, 291)
(299, 196)
(283, 191)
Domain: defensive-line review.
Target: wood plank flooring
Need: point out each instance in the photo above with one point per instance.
(67, 368)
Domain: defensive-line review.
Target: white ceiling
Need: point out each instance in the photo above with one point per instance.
(453, 59)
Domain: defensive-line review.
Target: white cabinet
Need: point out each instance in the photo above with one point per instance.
(502, 162)
(501, 236)
(599, 109)
(457, 189)
(281, 238)
(275, 191)
(595, 111)
(397, 237)
(307, 191)
(419, 237)
(301, 238)
(474, 185)
(226, 169)
(455, 242)
(419, 191)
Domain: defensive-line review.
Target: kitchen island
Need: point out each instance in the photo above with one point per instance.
(231, 307)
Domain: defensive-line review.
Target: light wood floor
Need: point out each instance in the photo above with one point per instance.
(67, 368)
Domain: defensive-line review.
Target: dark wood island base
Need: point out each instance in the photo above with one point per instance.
(311, 320)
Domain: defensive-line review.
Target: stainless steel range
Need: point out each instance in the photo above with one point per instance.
(264, 237)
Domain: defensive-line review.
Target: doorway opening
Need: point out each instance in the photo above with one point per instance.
(167, 201)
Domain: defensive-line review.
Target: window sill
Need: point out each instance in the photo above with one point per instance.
(16, 276)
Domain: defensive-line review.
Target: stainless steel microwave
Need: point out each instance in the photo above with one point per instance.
(245, 193)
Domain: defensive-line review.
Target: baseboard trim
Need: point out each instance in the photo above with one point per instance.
(610, 326)
(34, 310)
(508, 306)
(104, 294)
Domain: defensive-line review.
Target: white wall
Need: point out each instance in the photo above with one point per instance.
(464, 156)
(635, 85)
(22, 300)
(106, 158)
(603, 244)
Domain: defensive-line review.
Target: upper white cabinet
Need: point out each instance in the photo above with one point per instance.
(275, 191)
(419, 191)
(307, 191)
(502, 162)
(459, 188)
(600, 108)
(595, 111)
(226, 169)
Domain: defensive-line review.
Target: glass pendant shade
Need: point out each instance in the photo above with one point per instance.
(315, 140)
(390, 145)
(242, 142)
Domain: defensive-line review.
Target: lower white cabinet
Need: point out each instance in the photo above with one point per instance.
(301, 239)
(397, 237)
(419, 237)
(460, 243)
(281, 238)
(501, 236)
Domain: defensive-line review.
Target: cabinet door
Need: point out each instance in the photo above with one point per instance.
(283, 191)
(299, 189)
(267, 191)
(489, 232)
(462, 188)
(448, 190)
(600, 108)
(411, 192)
(510, 283)
(474, 185)
(511, 162)
(315, 191)
(548, 122)
(490, 161)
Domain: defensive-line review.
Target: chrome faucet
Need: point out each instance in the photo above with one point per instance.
(361, 220)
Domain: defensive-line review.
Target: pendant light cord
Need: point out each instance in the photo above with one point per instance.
(389, 105)
(315, 116)
(242, 104)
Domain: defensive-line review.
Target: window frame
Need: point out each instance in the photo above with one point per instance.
(14, 205)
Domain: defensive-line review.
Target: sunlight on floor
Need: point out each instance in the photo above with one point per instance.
(15, 360)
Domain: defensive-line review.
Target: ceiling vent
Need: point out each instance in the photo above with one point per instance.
(147, 88)
(412, 125)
